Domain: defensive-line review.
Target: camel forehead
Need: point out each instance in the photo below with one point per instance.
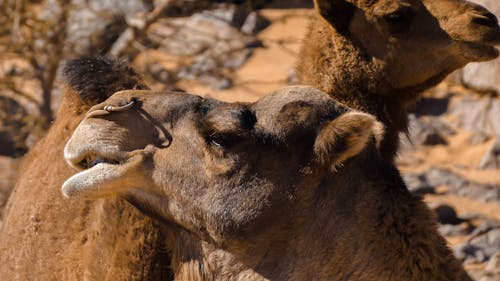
(295, 107)
(151, 105)
(272, 104)
(389, 5)
(152, 100)
(267, 108)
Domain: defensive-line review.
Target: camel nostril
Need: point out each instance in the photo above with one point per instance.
(487, 19)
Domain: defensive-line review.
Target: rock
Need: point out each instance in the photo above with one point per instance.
(438, 176)
(482, 245)
(254, 23)
(434, 177)
(491, 159)
(203, 31)
(485, 228)
(493, 115)
(210, 42)
(484, 76)
(478, 138)
(476, 114)
(426, 131)
(234, 15)
(455, 230)
(161, 74)
(94, 25)
(445, 214)
(418, 184)
(493, 266)
(469, 253)
(241, 17)
(489, 242)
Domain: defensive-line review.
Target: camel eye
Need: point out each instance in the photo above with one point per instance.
(395, 18)
(400, 20)
(221, 140)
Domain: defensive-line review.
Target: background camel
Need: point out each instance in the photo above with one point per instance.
(290, 187)
(377, 56)
(48, 238)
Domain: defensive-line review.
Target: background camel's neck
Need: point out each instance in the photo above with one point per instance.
(338, 65)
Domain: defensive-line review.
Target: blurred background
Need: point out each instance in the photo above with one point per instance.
(240, 51)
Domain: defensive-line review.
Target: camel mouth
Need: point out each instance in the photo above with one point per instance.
(89, 157)
(92, 182)
(91, 160)
(96, 172)
(99, 176)
(482, 51)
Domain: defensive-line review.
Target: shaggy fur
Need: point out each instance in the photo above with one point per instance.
(249, 193)
(47, 237)
(94, 79)
(377, 56)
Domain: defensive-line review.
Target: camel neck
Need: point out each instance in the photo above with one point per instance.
(373, 229)
(354, 228)
(337, 64)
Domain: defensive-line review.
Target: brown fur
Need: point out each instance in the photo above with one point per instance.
(367, 60)
(248, 190)
(47, 237)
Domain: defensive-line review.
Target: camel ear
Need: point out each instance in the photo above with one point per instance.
(345, 137)
(337, 12)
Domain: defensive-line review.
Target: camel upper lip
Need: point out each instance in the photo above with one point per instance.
(91, 160)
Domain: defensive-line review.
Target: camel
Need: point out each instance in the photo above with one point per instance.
(30, 228)
(291, 187)
(45, 237)
(377, 56)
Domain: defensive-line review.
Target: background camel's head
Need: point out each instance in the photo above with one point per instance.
(415, 42)
(221, 170)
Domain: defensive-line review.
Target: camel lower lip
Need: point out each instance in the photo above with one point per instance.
(91, 182)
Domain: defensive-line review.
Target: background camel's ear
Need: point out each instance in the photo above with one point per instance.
(337, 12)
(346, 136)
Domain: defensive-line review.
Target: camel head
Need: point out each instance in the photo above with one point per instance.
(225, 171)
(410, 44)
